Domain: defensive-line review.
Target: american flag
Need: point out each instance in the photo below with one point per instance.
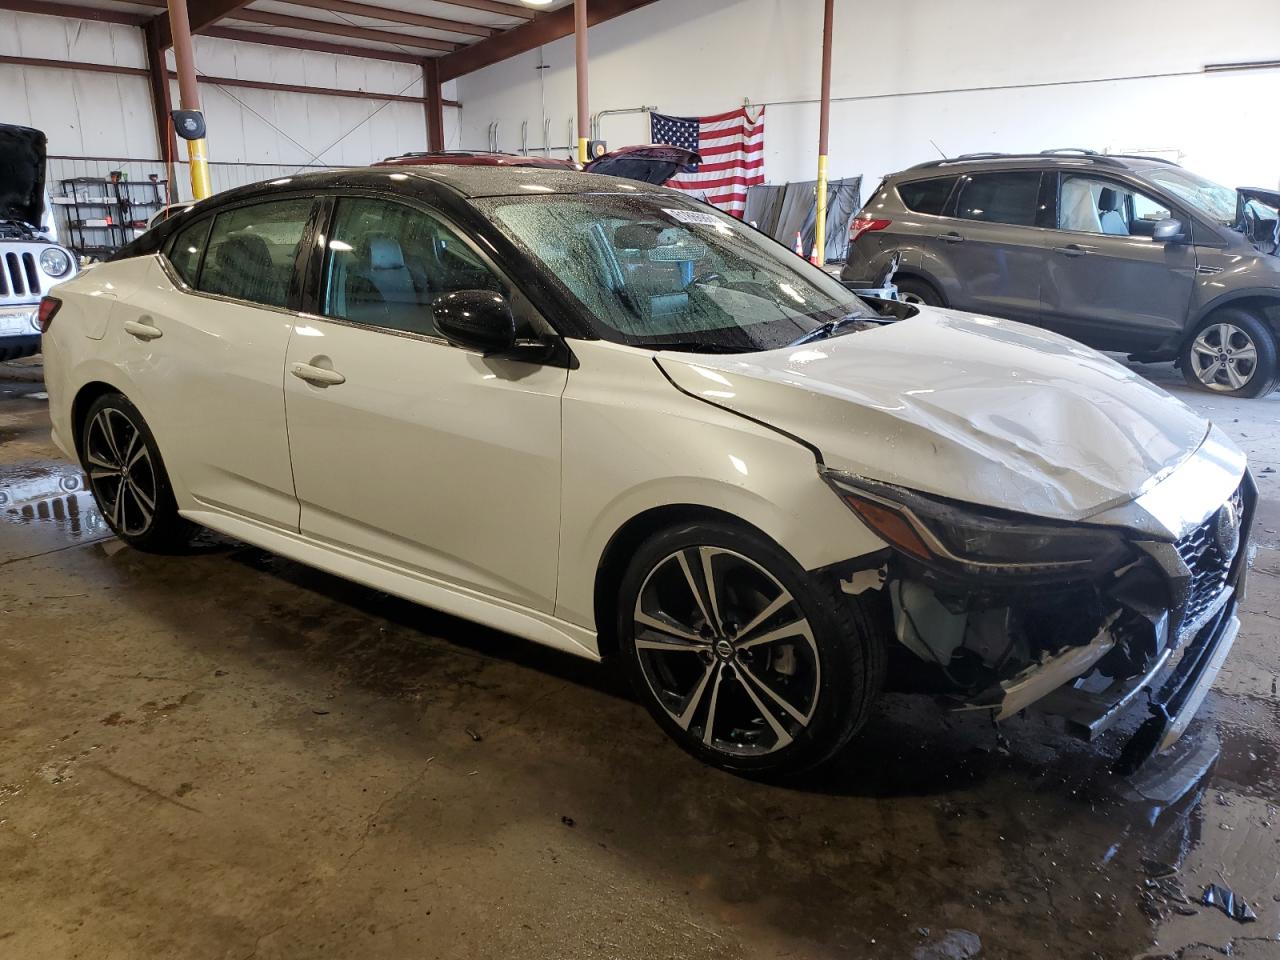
(732, 147)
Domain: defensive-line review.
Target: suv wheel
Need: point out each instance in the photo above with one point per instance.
(911, 290)
(747, 661)
(1233, 353)
(128, 478)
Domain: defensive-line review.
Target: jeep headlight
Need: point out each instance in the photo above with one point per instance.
(55, 262)
(979, 541)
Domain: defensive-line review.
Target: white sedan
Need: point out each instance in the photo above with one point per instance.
(598, 415)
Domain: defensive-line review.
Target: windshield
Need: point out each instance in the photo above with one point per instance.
(1211, 199)
(662, 271)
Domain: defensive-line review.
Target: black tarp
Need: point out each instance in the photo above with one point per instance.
(783, 211)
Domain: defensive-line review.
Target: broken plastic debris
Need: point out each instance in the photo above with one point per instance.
(863, 580)
(1226, 901)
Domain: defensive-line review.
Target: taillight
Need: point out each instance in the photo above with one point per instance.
(861, 225)
(49, 308)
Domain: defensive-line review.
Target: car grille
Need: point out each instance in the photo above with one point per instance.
(1208, 564)
(18, 276)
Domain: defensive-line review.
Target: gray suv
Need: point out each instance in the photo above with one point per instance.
(1131, 254)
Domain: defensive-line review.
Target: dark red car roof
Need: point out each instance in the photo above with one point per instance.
(476, 159)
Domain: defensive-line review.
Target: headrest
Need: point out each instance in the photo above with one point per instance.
(245, 248)
(1107, 199)
(385, 254)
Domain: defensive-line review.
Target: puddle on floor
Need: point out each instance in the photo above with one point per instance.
(49, 492)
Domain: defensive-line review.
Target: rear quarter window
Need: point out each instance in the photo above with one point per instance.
(927, 196)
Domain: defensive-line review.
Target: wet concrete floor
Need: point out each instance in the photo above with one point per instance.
(228, 755)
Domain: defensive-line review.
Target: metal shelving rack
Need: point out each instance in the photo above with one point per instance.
(125, 206)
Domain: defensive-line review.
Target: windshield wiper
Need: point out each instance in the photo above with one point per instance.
(830, 328)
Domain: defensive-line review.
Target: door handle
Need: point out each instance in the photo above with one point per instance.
(1071, 250)
(143, 329)
(952, 237)
(317, 376)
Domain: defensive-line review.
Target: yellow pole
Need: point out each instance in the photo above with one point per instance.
(198, 156)
(820, 223)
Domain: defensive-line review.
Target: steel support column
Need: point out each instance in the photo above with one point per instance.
(189, 94)
(434, 104)
(824, 132)
(580, 52)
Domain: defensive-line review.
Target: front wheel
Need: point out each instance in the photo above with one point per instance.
(128, 478)
(1233, 353)
(747, 661)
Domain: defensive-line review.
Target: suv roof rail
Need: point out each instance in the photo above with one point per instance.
(1066, 153)
(1143, 156)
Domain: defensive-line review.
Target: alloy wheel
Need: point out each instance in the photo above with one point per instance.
(121, 473)
(1224, 357)
(726, 651)
(914, 298)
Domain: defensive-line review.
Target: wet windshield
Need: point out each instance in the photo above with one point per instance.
(1211, 199)
(659, 270)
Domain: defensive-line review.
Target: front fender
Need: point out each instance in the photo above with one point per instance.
(633, 442)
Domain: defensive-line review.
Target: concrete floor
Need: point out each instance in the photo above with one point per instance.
(227, 755)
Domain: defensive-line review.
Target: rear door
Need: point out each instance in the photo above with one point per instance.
(1108, 283)
(206, 343)
(992, 247)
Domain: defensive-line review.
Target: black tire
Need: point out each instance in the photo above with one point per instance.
(1232, 330)
(915, 290)
(830, 675)
(141, 510)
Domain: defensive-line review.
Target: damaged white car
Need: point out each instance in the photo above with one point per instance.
(603, 417)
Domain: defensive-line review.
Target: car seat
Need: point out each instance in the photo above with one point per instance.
(1113, 220)
(243, 269)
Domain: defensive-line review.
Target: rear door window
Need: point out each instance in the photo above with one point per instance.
(186, 248)
(927, 196)
(252, 251)
(1010, 196)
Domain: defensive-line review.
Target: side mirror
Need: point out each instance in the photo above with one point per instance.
(1168, 230)
(479, 319)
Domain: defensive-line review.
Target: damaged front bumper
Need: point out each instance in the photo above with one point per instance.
(1156, 629)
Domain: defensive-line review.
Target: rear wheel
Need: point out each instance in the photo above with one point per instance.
(128, 478)
(747, 661)
(912, 290)
(1234, 353)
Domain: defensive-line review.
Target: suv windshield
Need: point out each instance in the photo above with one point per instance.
(658, 270)
(1211, 199)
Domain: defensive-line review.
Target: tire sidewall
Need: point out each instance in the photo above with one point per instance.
(842, 687)
(1267, 370)
(921, 289)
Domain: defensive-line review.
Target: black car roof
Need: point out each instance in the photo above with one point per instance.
(468, 180)
(465, 180)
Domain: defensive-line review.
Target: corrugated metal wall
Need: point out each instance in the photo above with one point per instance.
(100, 122)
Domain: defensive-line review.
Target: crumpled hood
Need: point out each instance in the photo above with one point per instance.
(968, 407)
(22, 163)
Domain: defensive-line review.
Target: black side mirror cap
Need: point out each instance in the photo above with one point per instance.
(1168, 230)
(478, 319)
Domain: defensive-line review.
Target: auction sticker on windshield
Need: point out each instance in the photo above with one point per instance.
(693, 216)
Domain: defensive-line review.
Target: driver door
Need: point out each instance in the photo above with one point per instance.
(409, 451)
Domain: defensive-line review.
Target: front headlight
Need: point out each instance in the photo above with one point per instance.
(55, 262)
(979, 541)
